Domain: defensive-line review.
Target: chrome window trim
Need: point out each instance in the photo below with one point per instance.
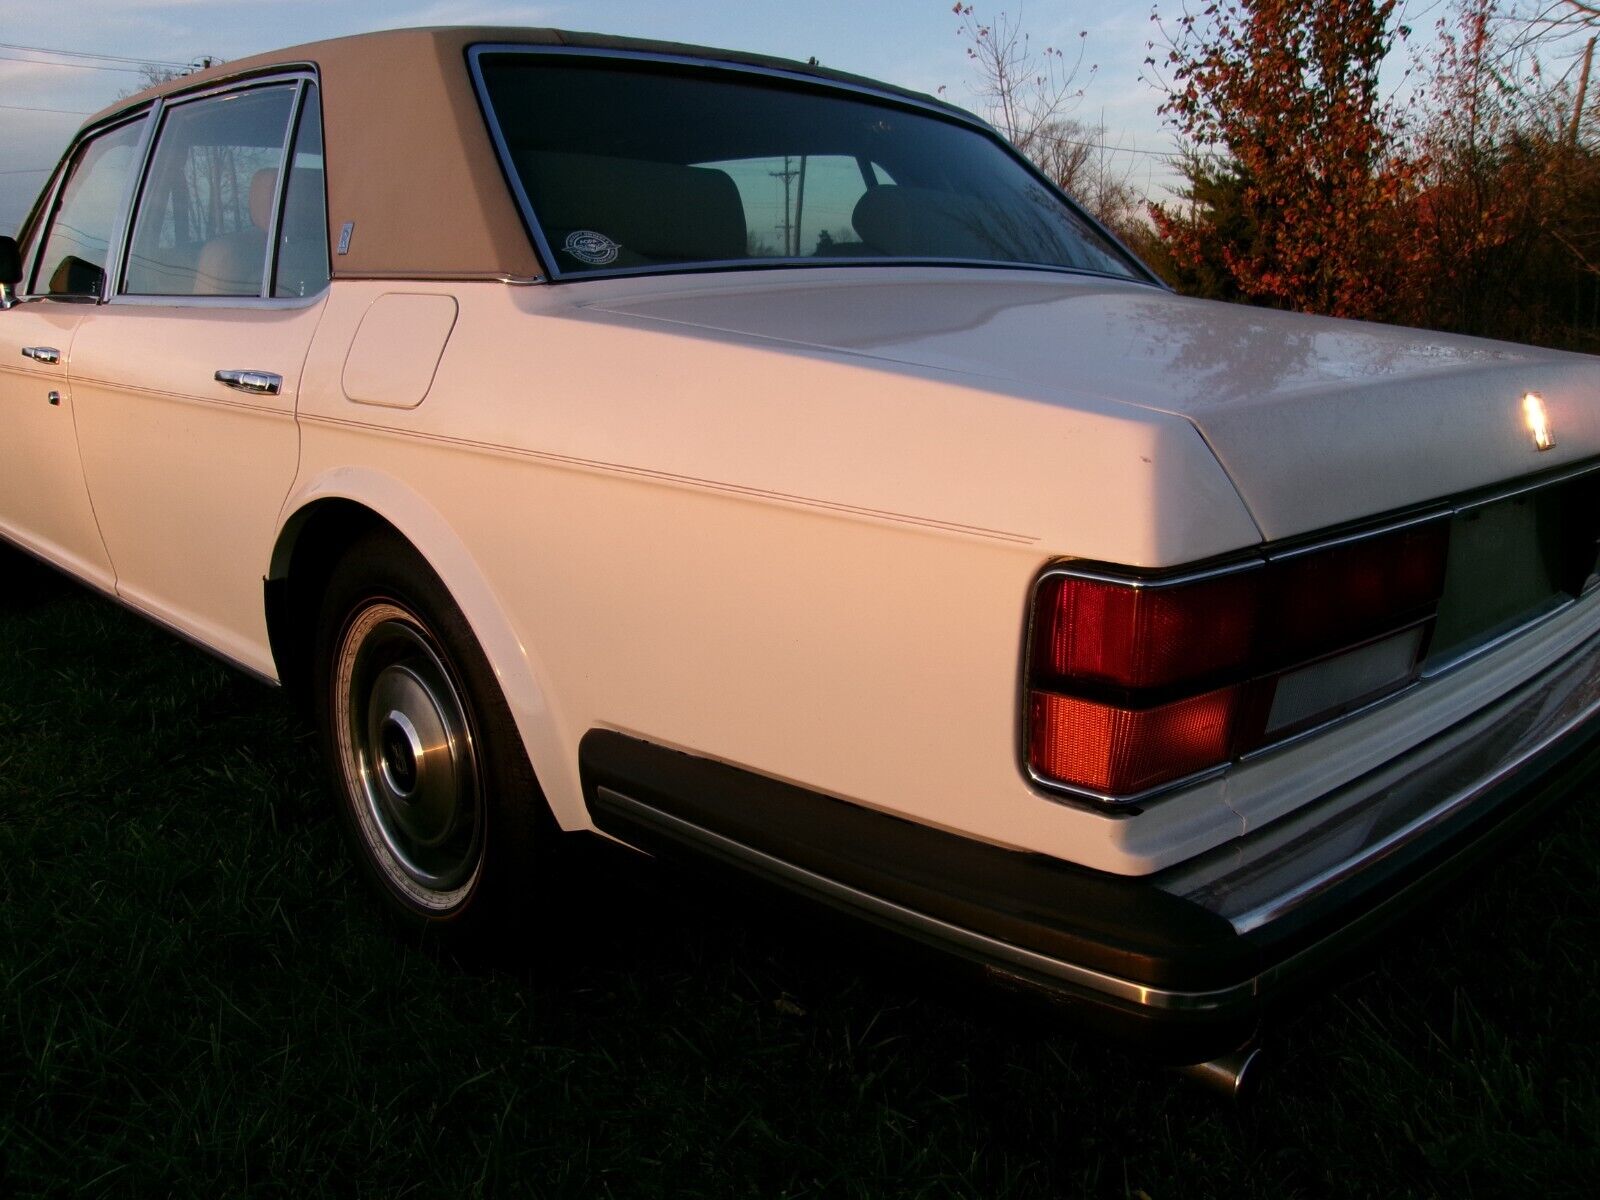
(309, 99)
(44, 204)
(274, 232)
(299, 77)
(1260, 556)
(1142, 275)
(48, 213)
(117, 257)
(253, 302)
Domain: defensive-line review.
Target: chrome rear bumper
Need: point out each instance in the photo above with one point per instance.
(1267, 877)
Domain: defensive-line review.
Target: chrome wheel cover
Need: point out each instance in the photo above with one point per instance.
(408, 756)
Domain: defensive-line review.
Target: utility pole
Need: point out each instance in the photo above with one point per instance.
(787, 175)
(800, 207)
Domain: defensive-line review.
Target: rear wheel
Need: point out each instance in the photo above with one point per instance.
(436, 795)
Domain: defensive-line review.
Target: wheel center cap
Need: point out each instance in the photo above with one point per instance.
(398, 751)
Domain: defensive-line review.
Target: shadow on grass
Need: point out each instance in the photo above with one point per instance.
(25, 582)
(197, 998)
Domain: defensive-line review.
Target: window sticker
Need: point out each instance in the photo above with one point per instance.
(590, 247)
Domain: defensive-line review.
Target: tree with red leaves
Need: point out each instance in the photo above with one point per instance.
(1285, 93)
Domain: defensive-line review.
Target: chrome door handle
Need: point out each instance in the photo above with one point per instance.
(45, 354)
(257, 383)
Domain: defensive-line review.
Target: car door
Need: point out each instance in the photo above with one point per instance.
(185, 382)
(44, 504)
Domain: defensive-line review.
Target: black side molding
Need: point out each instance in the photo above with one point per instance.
(1123, 927)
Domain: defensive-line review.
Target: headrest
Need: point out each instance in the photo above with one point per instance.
(908, 222)
(658, 210)
(263, 187)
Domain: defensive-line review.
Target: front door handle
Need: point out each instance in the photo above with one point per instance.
(257, 383)
(45, 354)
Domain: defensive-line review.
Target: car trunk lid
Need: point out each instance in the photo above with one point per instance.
(1317, 422)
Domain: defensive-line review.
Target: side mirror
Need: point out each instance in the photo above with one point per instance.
(10, 270)
(10, 262)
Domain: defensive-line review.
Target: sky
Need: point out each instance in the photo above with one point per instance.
(913, 43)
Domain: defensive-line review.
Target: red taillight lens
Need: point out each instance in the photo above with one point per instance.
(1120, 751)
(1092, 631)
(1328, 598)
(1136, 684)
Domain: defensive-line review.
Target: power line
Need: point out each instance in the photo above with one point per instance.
(27, 171)
(43, 62)
(71, 112)
(142, 62)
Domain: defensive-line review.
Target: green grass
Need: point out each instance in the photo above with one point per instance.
(197, 999)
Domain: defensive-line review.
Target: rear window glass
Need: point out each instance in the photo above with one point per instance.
(642, 164)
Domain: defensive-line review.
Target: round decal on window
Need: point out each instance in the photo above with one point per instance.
(596, 249)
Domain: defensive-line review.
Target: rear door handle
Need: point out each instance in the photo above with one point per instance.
(45, 354)
(257, 383)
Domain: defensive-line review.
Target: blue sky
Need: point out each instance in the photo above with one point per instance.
(908, 42)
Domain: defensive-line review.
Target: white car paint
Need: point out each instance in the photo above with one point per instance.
(700, 535)
(788, 522)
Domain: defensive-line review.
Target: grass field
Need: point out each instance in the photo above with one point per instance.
(196, 999)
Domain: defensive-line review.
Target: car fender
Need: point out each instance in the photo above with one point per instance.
(514, 663)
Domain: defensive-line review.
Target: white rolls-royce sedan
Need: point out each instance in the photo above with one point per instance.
(734, 457)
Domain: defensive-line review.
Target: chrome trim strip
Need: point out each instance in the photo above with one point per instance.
(1251, 881)
(241, 81)
(1069, 570)
(1107, 803)
(931, 929)
(252, 303)
(824, 83)
(1325, 880)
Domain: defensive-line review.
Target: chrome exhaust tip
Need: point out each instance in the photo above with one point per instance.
(1234, 1075)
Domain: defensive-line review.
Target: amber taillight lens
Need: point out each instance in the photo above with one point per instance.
(1119, 751)
(1135, 683)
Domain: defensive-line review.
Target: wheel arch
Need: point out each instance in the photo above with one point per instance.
(322, 519)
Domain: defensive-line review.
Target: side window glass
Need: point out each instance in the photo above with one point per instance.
(303, 243)
(73, 262)
(201, 227)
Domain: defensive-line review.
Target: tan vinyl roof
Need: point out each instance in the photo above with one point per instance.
(410, 164)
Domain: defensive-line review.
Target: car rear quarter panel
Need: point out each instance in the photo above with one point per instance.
(805, 564)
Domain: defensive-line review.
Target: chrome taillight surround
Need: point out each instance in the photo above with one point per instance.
(1250, 725)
